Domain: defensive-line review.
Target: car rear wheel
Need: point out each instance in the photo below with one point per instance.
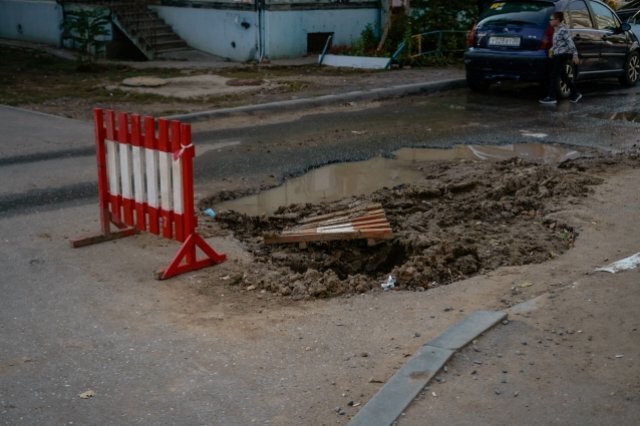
(631, 70)
(562, 88)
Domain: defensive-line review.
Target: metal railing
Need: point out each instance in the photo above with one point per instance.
(434, 41)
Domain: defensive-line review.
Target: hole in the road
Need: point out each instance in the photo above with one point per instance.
(459, 219)
(337, 181)
(632, 116)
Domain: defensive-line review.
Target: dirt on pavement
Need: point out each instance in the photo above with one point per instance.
(467, 218)
(38, 79)
(507, 235)
(476, 235)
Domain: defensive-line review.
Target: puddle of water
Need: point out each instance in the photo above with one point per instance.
(328, 183)
(337, 181)
(535, 152)
(632, 116)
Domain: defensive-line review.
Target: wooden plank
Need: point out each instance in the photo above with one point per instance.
(377, 214)
(334, 228)
(354, 223)
(343, 219)
(369, 234)
(338, 231)
(361, 208)
(366, 221)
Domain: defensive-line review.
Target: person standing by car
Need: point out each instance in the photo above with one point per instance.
(562, 51)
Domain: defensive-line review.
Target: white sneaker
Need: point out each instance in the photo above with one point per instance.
(548, 101)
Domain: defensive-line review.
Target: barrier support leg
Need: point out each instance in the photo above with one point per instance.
(94, 239)
(188, 254)
(107, 235)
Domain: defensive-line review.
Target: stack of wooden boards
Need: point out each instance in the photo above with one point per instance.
(364, 221)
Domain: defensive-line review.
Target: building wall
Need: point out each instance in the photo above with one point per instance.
(286, 31)
(228, 33)
(31, 20)
(227, 28)
(277, 29)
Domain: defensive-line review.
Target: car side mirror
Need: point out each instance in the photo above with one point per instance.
(625, 26)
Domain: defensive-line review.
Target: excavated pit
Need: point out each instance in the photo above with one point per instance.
(463, 218)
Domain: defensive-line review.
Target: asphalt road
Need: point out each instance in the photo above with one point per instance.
(50, 160)
(505, 115)
(94, 319)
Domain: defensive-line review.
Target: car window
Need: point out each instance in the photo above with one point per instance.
(521, 12)
(625, 15)
(630, 5)
(605, 18)
(579, 16)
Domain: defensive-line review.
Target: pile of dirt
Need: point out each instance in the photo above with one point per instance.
(467, 218)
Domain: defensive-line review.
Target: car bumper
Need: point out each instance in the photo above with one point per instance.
(492, 65)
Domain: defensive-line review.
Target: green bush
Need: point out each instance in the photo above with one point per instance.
(425, 16)
(431, 15)
(87, 28)
(367, 43)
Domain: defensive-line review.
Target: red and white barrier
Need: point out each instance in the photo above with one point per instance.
(145, 183)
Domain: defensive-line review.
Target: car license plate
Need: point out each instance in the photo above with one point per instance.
(504, 41)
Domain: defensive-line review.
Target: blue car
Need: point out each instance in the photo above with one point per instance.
(512, 38)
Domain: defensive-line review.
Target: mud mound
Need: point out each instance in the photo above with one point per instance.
(468, 218)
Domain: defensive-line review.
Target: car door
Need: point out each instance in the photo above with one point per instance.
(615, 42)
(585, 36)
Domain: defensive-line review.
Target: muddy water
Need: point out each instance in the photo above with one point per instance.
(342, 180)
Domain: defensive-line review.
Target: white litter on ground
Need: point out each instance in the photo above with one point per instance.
(533, 134)
(389, 284)
(627, 263)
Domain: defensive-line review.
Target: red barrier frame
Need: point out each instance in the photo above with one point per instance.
(129, 216)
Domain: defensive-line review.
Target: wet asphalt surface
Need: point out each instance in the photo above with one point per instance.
(507, 114)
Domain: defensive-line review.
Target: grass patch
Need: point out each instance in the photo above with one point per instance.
(31, 78)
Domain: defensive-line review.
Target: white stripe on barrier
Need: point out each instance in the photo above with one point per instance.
(151, 157)
(126, 172)
(139, 190)
(166, 199)
(145, 175)
(176, 167)
(113, 167)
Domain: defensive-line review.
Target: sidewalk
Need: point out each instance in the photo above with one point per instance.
(568, 356)
(365, 85)
(332, 87)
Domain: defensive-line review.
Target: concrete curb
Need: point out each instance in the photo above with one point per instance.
(377, 93)
(396, 395)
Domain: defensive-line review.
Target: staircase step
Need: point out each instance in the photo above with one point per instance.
(166, 45)
(146, 32)
(164, 35)
(150, 31)
(146, 24)
(166, 38)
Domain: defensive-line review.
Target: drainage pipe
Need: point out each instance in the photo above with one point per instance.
(260, 12)
(326, 47)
